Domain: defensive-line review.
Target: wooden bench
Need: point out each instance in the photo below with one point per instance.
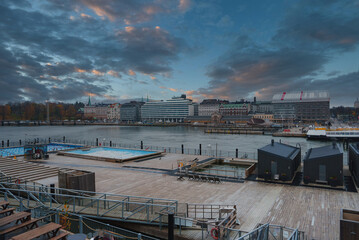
(7, 211)
(203, 178)
(48, 229)
(16, 217)
(28, 224)
(62, 236)
(190, 177)
(4, 204)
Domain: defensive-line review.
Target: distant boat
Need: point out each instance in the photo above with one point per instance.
(338, 133)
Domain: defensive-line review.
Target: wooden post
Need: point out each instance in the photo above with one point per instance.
(200, 149)
(171, 226)
(236, 152)
(141, 144)
(182, 149)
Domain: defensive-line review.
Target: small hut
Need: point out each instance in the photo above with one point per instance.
(324, 165)
(278, 161)
(354, 161)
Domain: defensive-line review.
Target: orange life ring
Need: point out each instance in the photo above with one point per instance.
(214, 233)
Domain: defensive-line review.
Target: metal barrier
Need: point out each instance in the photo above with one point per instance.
(104, 206)
(79, 224)
(274, 232)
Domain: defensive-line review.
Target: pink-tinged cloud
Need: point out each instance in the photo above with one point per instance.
(85, 16)
(131, 72)
(184, 5)
(79, 70)
(113, 73)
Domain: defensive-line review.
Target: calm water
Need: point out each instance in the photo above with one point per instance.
(155, 136)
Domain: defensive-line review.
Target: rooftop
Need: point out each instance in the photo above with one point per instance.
(301, 96)
(281, 149)
(323, 151)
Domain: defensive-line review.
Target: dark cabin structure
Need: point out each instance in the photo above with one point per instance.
(35, 151)
(324, 165)
(354, 161)
(278, 161)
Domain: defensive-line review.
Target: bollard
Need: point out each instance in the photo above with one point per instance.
(171, 223)
(20, 142)
(96, 142)
(236, 152)
(182, 149)
(110, 143)
(200, 149)
(141, 144)
(63, 139)
(2, 143)
(8, 143)
(49, 140)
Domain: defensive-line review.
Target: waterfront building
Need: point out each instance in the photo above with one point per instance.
(209, 106)
(278, 161)
(356, 103)
(235, 109)
(131, 112)
(113, 111)
(264, 116)
(261, 106)
(324, 165)
(305, 106)
(172, 110)
(354, 161)
(97, 111)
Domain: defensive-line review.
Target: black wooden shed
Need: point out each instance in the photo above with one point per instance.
(354, 161)
(278, 161)
(324, 165)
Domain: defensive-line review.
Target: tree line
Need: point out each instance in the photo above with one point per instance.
(38, 111)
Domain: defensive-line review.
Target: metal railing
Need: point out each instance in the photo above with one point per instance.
(274, 232)
(79, 224)
(206, 151)
(103, 206)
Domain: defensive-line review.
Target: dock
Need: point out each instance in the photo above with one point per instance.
(315, 211)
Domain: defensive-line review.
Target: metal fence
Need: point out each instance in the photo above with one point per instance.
(274, 232)
(79, 224)
(212, 151)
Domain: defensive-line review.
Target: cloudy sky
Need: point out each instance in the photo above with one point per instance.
(66, 50)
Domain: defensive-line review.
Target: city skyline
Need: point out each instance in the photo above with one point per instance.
(119, 50)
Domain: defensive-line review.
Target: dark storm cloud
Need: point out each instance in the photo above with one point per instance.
(310, 35)
(64, 57)
(149, 50)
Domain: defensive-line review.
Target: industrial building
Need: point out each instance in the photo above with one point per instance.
(324, 165)
(305, 106)
(173, 110)
(261, 106)
(131, 112)
(278, 161)
(354, 161)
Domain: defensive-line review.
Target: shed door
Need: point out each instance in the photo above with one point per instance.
(322, 173)
(273, 168)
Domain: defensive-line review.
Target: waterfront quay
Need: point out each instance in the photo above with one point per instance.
(316, 211)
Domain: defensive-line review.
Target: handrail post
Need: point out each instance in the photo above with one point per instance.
(80, 224)
(139, 236)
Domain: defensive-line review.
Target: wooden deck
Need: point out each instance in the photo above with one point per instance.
(313, 210)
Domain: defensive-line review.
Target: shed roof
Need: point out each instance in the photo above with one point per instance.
(281, 149)
(323, 152)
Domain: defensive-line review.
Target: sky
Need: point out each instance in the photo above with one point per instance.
(117, 50)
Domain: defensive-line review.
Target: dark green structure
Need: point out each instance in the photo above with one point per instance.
(278, 161)
(354, 161)
(324, 165)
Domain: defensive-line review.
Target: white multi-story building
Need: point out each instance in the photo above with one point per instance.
(113, 111)
(173, 110)
(209, 106)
